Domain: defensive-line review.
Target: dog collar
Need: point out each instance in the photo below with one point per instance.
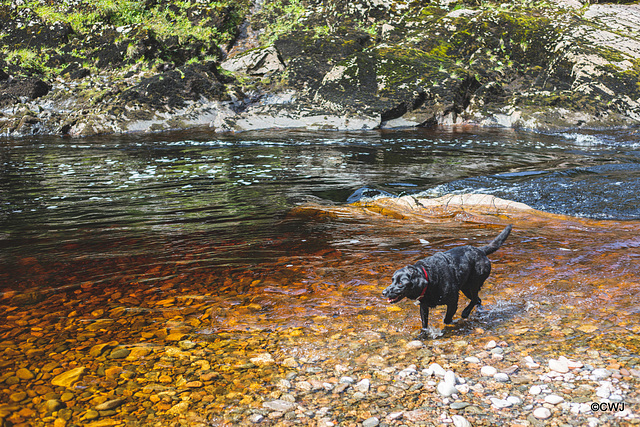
(426, 276)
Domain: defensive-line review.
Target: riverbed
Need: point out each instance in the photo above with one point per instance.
(199, 279)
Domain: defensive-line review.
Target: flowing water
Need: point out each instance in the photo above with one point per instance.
(144, 239)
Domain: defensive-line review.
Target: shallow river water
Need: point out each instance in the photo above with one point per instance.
(185, 276)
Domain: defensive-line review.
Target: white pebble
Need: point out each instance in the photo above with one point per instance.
(460, 421)
(414, 345)
(553, 399)
(450, 378)
(535, 390)
(462, 388)
(347, 380)
(437, 369)
(542, 413)
(600, 374)
(515, 400)
(472, 359)
(559, 365)
(501, 377)
(488, 371)
(500, 403)
(446, 389)
(491, 344)
(363, 386)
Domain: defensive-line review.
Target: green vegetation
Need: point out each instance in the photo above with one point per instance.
(42, 35)
(278, 17)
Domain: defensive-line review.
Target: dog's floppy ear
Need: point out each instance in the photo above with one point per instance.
(418, 281)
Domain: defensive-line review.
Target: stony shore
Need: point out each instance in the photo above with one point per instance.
(307, 340)
(317, 65)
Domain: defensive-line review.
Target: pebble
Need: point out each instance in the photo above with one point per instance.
(488, 371)
(460, 421)
(561, 365)
(109, 404)
(446, 389)
(515, 400)
(363, 386)
(256, 418)
(119, 353)
(24, 374)
(458, 405)
(501, 377)
(472, 359)
(500, 403)
(347, 380)
(600, 374)
(414, 345)
(437, 370)
(279, 405)
(264, 359)
(553, 399)
(393, 416)
(371, 422)
(66, 379)
(490, 345)
(179, 408)
(542, 413)
(450, 378)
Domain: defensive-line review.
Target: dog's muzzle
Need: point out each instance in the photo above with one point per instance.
(392, 297)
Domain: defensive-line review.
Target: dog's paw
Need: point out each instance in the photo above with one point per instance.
(424, 334)
(430, 333)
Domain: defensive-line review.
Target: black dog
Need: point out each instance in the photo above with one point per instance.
(437, 279)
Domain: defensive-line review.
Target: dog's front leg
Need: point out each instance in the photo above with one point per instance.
(424, 315)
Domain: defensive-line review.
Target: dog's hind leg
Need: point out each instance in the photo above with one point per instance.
(467, 311)
(475, 300)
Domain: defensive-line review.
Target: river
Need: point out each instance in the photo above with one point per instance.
(140, 240)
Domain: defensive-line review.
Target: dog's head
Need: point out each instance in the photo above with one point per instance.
(407, 282)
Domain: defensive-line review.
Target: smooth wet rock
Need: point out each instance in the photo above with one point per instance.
(370, 422)
(600, 374)
(450, 378)
(542, 413)
(559, 365)
(68, 378)
(52, 405)
(109, 404)
(437, 370)
(178, 409)
(24, 374)
(553, 399)
(363, 386)
(500, 403)
(264, 359)
(414, 345)
(501, 377)
(119, 353)
(279, 405)
(488, 371)
(460, 421)
(18, 396)
(446, 389)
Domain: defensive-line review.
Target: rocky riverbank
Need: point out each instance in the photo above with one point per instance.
(83, 69)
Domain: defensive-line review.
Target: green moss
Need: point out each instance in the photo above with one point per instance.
(278, 17)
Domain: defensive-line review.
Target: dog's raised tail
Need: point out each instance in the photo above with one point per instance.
(497, 242)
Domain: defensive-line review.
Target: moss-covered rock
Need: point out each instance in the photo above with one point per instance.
(128, 66)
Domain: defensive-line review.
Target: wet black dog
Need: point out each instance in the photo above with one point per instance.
(437, 280)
